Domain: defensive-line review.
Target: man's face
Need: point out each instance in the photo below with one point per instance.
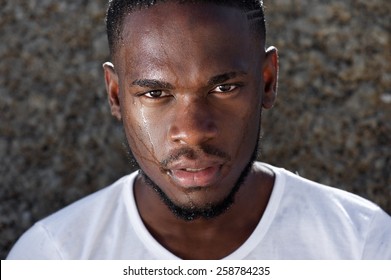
(190, 84)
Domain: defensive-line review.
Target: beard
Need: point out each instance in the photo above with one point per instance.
(210, 210)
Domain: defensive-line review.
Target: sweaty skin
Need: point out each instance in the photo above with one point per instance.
(189, 89)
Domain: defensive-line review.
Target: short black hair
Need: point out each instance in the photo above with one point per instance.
(117, 9)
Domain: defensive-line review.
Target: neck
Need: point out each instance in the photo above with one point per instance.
(207, 238)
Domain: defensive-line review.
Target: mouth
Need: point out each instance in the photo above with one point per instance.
(202, 176)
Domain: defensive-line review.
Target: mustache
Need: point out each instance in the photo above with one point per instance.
(191, 153)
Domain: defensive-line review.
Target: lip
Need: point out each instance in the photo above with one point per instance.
(195, 174)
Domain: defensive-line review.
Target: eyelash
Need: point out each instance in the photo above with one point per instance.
(232, 87)
(156, 97)
(216, 89)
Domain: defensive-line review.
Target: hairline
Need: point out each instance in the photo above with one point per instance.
(119, 28)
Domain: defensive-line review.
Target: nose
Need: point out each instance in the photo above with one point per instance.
(193, 123)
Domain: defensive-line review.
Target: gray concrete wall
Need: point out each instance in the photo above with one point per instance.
(58, 141)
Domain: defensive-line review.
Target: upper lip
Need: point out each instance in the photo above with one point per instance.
(194, 165)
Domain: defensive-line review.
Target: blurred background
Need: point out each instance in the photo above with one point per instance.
(58, 141)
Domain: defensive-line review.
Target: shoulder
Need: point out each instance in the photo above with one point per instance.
(313, 194)
(61, 234)
(354, 226)
(93, 205)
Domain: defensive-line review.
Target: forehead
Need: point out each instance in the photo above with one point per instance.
(184, 35)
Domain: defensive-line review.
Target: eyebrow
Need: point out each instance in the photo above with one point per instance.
(152, 83)
(218, 79)
(225, 77)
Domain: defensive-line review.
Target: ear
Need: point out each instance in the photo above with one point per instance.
(270, 77)
(112, 89)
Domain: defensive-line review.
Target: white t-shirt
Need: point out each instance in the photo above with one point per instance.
(303, 220)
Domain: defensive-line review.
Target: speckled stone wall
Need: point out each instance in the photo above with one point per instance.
(58, 141)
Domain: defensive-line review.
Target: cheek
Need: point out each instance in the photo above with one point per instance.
(248, 128)
(144, 133)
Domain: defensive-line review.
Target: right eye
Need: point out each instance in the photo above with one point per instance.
(154, 94)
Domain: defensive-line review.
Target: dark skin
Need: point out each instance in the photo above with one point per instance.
(180, 82)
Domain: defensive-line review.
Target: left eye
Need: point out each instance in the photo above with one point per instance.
(224, 88)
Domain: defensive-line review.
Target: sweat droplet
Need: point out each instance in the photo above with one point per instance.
(146, 129)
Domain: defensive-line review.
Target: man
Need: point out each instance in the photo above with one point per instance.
(189, 80)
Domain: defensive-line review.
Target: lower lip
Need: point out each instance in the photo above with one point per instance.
(202, 178)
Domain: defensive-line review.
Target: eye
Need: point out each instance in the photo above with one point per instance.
(154, 94)
(225, 88)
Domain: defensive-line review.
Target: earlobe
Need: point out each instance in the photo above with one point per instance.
(112, 89)
(270, 77)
